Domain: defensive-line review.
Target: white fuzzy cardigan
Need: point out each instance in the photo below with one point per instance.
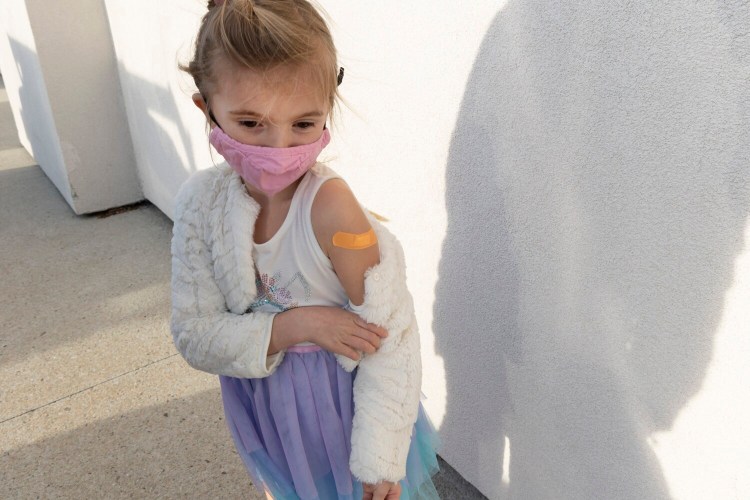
(213, 285)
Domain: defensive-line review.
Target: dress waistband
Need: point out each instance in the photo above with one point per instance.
(303, 348)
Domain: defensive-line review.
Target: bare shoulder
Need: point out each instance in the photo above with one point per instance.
(335, 199)
(335, 209)
(336, 212)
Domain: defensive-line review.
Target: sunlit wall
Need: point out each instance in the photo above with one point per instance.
(150, 40)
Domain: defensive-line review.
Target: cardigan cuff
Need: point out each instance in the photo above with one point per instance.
(348, 364)
(265, 363)
(273, 361)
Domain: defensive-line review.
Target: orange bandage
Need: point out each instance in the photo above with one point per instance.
(355, 241)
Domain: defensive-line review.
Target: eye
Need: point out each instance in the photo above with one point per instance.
(249, 123)
(305, 125)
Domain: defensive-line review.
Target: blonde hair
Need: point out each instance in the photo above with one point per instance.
(262, 35)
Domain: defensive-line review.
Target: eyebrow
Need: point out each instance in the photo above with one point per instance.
(244, 112)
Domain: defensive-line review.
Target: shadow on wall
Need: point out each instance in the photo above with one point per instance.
(8, 135)
(597, 192)
(36, 116)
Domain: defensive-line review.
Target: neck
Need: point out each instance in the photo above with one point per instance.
(265, 200)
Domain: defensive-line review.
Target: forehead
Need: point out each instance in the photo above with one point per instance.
(266, 92)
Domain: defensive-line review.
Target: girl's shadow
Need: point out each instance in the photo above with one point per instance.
(596, 202)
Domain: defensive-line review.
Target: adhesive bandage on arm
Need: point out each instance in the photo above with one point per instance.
(351, 241)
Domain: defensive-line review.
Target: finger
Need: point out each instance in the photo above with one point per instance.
(347, 351)
(360, 344)
(367, 491)
(369, 337)
(377, 330)
(381, 491)
(395, 492)
(382, 332)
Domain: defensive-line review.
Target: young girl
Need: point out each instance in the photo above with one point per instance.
(282, 285)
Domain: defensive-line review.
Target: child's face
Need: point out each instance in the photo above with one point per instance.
(278, 108)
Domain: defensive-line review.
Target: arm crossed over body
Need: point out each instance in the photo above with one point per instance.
(210, 325)
(386, 389)
(388, 381)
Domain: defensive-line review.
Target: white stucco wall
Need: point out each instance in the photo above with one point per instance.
(570, 183)
(63, 88)
(151, 39)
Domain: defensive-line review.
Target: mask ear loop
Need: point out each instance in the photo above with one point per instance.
(211, 113)
(213, 119)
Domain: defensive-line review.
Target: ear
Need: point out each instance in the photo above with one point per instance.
(201, 103)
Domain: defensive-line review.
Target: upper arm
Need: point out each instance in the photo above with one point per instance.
(335, 209)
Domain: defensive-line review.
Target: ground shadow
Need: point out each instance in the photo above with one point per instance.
(597, 192)
(178, 449)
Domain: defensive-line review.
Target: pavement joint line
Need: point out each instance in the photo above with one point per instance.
(67, 396)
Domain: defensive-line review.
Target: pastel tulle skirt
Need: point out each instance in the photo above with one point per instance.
(293, 431)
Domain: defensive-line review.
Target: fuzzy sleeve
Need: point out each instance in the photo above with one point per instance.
(205, 332)
(387, 385)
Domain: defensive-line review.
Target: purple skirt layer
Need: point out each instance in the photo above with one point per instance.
(293, 431)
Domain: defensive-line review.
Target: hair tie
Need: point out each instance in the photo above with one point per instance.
(341, 75)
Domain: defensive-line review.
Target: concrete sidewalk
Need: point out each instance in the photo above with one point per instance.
(95, 402)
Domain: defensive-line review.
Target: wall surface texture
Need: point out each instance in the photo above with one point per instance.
(63, 87)
(571, 183)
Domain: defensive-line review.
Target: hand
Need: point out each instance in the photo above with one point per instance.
(332, 328)
(381, 491)
(342, 332)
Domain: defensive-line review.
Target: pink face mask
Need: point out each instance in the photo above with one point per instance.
(269, 169)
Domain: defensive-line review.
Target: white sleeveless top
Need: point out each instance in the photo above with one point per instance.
(291, 268)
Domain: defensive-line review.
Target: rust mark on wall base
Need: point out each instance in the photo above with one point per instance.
(119, 210)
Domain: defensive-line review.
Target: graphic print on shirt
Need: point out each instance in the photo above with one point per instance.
(281, 297)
